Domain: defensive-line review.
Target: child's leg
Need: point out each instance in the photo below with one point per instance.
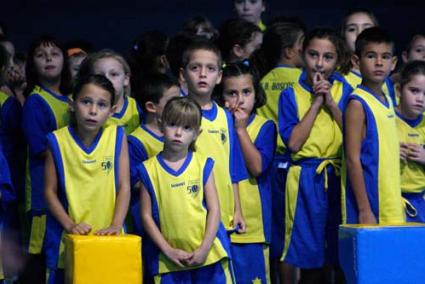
(251, 262)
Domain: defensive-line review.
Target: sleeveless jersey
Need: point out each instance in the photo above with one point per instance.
(182, 226)
(274, 83)
(87, 182)
(129, 117)
(412, 173)
(380, 160)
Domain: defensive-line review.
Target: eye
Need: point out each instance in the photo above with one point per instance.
(387, 56)
(102, 105)
(414, 90)
(370, 56)
(193, 67)
(329, 57)
(212, 68)
(351, 29)
(85, 101)
(247, 92)
(187, 127)
(312, 54)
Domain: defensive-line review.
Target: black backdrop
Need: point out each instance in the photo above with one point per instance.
(114, 23)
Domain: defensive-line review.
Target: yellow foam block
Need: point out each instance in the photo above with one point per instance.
(103, 259)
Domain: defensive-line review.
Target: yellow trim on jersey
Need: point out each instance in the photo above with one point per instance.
(3, 98)
(38, 230)
(262, 26)
(130, 120)
(151, 144)
(59, 108)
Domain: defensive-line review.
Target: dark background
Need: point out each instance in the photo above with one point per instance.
(113, 24)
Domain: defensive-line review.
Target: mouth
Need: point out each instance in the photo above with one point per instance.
(203, 84)
(91, 121)
(49, 67)
(379, 73)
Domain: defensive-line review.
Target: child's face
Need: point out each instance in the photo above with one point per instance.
(170, 93)
(239, 92)
(112, 69)
(354, 25)
(412, 101)
(320, 56)
(252, 45)
(202, 73)
(250, 10)
(179, 137)
(74, 65)
(417, 51)
(376, 62)
(92, 108)
(48, 62)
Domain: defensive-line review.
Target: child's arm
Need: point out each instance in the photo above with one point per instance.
(178, 256)
(123, 196)
(238, 220)
(354, 133)
(53, 203)
(213, 220)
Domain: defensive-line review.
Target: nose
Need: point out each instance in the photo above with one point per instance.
(245, 5)
(379, 61)
(319, 62)
(178, 131)
(240, 99)
(203, 72)
(93, 109)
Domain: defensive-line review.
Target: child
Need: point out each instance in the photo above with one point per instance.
(238, 40)
(411, 130)
(147, 140)
(187, 243)
(310, 122)
(200, 26)
(201, 72)
(114, 67)
(45, 110)
(371, 142)
(242, 94)
(75, 58)
(251, 10)
(87, 182)
(415, 49)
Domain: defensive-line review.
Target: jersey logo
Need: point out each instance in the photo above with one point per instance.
(193, 187)
(107, 164)
(223, 136)
(256, 281)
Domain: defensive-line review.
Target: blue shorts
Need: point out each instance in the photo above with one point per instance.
(251, 263)
(55, 276)
(279, 172)
(312, 215)
(217, 273)
(415, 207)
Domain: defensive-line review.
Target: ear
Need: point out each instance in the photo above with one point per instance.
(220, 75)
(181, 75)
(238, 51)
(163, 61)
(150, 107)
(404, 57)
(288, 52)
(71, 105)
(264, 7)
(355, 60)
(126, 80)
(394, 62)
(113, 110)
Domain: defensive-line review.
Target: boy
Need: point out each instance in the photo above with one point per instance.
(371, 142)
(201, 72)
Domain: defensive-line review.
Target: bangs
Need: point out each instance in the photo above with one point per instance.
(182, 114)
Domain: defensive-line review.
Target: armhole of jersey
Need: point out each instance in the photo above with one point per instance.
(209, 165)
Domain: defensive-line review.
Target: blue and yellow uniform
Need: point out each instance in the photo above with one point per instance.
(130, 116)
(44, 111)
(412, 173)
(273, 83)
(88, 179)
(312, 187)
(355, 79)
(379, 155)
(142, 145)
(218, 140)
(262, 26)
(183, 226)
(250, 251)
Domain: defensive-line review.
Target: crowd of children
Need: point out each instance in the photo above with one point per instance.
(235, 153)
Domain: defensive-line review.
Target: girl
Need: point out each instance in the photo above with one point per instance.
(187, 243)
(251, 10)
(45, 110)
(114, 67)
(238, 40)
(310, 122)
(243, 95)
(87, 182)
(411, 129)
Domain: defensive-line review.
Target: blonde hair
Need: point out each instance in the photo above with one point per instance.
(182, 111)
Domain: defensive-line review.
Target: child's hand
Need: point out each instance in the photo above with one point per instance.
(198, 257)
(321, 88)
(241, 118)
(80, 229)
(367, 217)
(416, 153)
(239, 222)
(178, 256)
(110, 231)
(404, 150)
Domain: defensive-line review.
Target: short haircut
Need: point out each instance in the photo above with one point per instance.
(152, 88)
(411, 69)
(98, 80)
(372, 35)
(200, 44)
(413, 39)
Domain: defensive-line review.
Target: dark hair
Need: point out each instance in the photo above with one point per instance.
(152, 88)
(413, 38)
(4, 59)
(372, 35)
(98, 80)
(240, 69)
(351, 12)
(200, 44)
(276, 38)
(235, 31)
(416, 67)
(332, 36)
(192, 25)
(30, 71)
(182, 111)
(176, 47)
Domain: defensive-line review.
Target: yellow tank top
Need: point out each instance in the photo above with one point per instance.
(129, 117)
(151, 144)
